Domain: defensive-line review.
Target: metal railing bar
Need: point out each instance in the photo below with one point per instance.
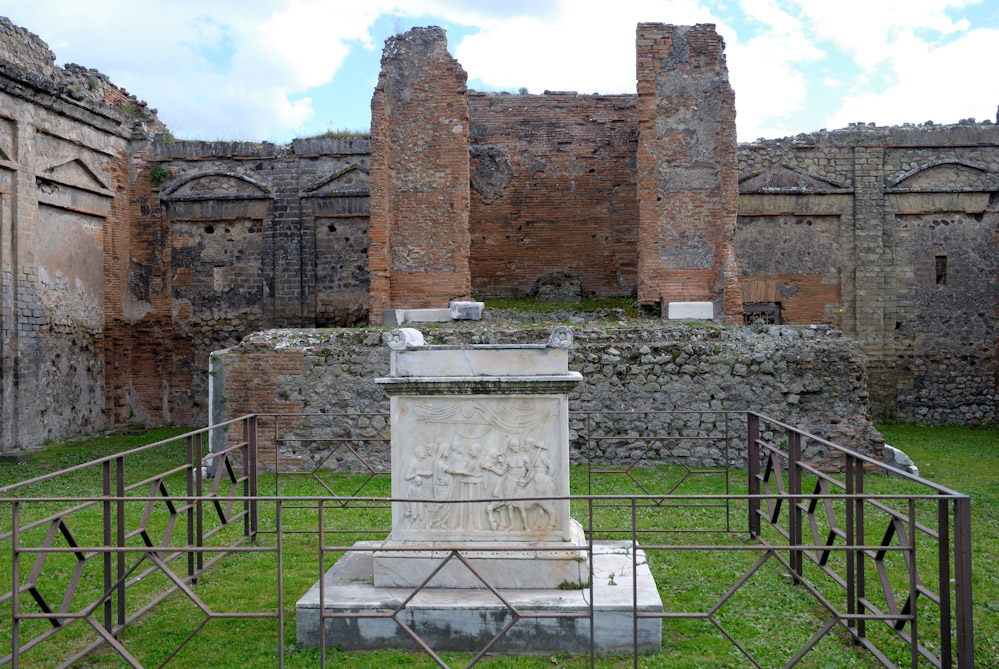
(107, 458)
(860, 456)
(547, 498)
(323, 440)
(822, 475)
(152, 549)
(632, 437)
(928, 531)
(100, 641)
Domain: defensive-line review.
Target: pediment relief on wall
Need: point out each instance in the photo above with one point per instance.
(351, 181)
(215, 186)
(783, 178)
(945, 176)
(77, 173)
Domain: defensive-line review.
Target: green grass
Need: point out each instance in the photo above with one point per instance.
(586, 304)
(341, 132)
(768, 616)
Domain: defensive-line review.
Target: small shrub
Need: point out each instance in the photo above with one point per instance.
(157, 175)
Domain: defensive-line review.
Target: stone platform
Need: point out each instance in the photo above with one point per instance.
(465, 619)
(514, 564)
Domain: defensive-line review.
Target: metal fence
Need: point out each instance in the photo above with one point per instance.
(85, 566)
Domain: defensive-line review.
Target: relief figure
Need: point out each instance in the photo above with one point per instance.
(418, 475)
(522, 473)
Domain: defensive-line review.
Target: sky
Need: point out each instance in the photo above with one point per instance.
(278, 69)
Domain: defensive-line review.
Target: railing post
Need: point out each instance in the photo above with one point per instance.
(106, 513)
(322, 588)
(589, 548)
(190, 505)
(913, 587)
(634, 582)
(962, 576)
(943, 565)
(851, 576)
(120, 538)
(15, 590)
(860, 536)
(253, 477)
(794, 506)
(280, 573)
(199, 493)
(753, 437)
(247, 464)
(728, 468)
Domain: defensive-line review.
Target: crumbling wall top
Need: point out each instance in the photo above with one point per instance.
(25, 57)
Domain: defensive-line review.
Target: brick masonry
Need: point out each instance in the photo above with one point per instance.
(63, 215)
(420, 176)
(687, 168)
(528, 153)
(125, 261)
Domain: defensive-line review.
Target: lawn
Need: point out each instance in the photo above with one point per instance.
(770, 617)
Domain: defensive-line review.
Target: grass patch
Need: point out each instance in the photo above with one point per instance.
(341, 132)
(587, 304)
(768, 616)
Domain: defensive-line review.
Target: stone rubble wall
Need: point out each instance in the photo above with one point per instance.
(31, 58)
(812, 378)
(847, 227)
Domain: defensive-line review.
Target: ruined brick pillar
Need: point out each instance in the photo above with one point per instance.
(419, 176)
(687, 169)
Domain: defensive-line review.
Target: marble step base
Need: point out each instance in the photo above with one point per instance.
(511, 564)
(465, 619)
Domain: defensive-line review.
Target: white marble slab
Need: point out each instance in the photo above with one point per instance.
(691, 311)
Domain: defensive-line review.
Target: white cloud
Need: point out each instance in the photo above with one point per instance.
(582, 46)
(255, 72)
(943, 84)
(170, 56)
(868, 30)
(769, 86)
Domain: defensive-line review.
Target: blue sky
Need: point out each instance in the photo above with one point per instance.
(277, 69)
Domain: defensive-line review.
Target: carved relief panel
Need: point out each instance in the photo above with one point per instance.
(447, 449)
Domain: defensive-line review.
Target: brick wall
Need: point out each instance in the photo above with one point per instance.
(553, 189)
(419, 176)
(63, 201)
(687, 167)
(236, 238)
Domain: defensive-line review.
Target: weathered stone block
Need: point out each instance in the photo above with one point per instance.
(467, 311)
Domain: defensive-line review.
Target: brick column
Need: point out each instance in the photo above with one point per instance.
(875, 305)
(687, 168)
(419, 176)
